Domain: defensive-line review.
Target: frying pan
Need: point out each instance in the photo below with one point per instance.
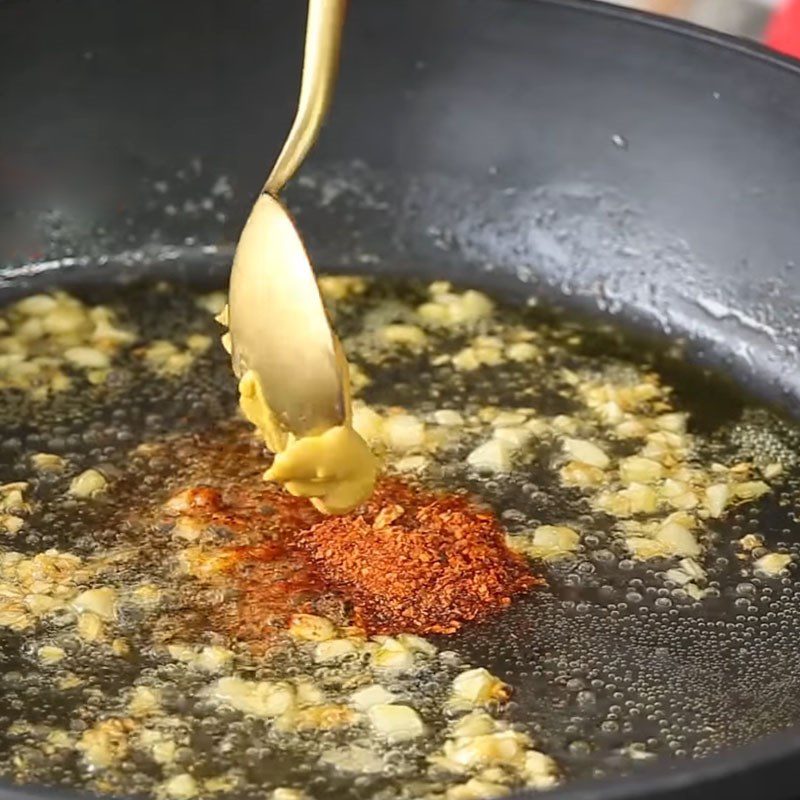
(617, 164)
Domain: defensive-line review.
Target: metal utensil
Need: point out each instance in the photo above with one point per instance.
(278, 325)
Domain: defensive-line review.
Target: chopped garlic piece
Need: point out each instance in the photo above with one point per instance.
(368, 424)
(772, 563)
(691, 567)
(642, 547)
(37, 305)
(90, 626)
(637, 498)
(637, 469)
(13, 616)
(411, 464)
(674, 422)
(323, 717)
(181, 787)
(395, 722)
(144, 702)
(340, 287)
(404, 432)
(216, 303)
(358, 378)
(508, 419)
(717, 497)
(287, 793)
(695, 592)
(47, 462)
(261, 699)
(88, 484)
(372, 695)
(450, 309)
(411, 336)
(416, 644)
(577, 473)
(105, 743)
(198, 342)
(120, 647)
(492, 456)
(181, 652)
(750, 541)
(548, 541)
(392, 654)
(87, 357)
(11, 497)
(476, 723)
(311, 628)
(522, 351)
(212, 659)
(678, 576)
(679, 494)
(334, 650)
(476, 789)
(586, 452)
(565, 424)
(49, 654)
(751, 490)
(474, 752)
(447, 417)
(477, 687)
(146, 594)
(41, 604)
(355, 759)
(678, 540)
(515, 437)
(102, 601)
(631, 429)
(541, 771)
(11, 523)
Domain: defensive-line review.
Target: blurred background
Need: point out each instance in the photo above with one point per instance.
(740, 17)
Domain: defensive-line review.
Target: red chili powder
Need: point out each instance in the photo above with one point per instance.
(409, 560)
(271, 582)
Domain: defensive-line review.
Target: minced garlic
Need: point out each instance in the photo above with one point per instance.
(476, 687)
(548, 542)
(371, 695)
(311, 628)
(772, 563)
(88, 484)
(396, 723)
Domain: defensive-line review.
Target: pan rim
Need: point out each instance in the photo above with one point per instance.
(725, 41)
(698, 775)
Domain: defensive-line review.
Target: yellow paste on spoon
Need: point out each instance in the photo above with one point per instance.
(335, 469)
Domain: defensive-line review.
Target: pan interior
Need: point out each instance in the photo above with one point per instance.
(618, 662)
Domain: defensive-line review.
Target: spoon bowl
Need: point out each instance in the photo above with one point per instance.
(278, 324)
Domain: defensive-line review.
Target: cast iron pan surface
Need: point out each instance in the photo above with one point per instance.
(618, 165)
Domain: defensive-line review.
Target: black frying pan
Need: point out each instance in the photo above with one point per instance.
(638, 169)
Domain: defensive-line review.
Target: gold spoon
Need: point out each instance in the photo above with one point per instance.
(278, 326)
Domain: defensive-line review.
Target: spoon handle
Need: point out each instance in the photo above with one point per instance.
(320, 62)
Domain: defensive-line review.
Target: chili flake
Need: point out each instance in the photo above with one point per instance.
(416, 561)
(410, 560)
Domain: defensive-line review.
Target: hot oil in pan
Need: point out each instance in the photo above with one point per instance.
(668, 627)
